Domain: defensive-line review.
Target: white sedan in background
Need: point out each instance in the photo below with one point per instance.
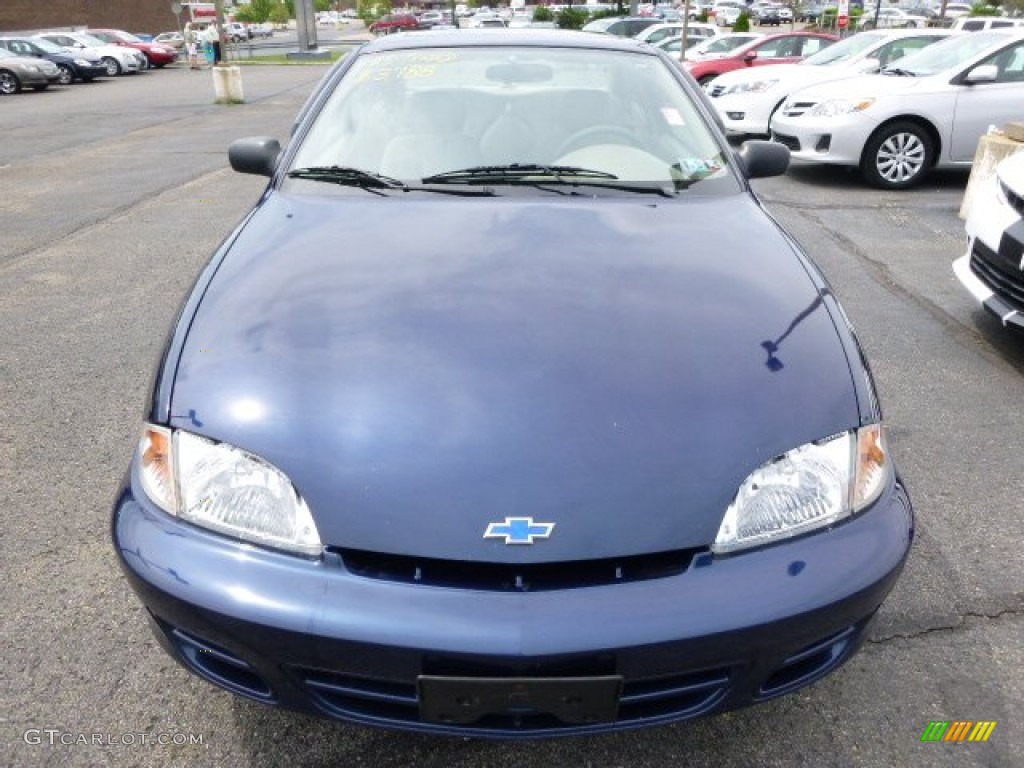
(747, 98)
(928, 111)
(992, 269)
(118, 59)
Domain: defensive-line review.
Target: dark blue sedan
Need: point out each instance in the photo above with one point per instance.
(481, 423)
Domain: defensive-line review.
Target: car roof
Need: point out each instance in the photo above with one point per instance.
(471, 38)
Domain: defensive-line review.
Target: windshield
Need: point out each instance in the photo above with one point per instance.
(845, 50)
(950, 53)
(89, 40)
(47, 46)
(410, 115)
(5, 54)
(127, 37)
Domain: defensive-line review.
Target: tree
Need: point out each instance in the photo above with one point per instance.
(279, 14)
(742, 23)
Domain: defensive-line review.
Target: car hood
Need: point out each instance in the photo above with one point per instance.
(874, 85)
(421, 368)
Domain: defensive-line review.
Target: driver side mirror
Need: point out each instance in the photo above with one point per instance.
(749, 56)
(761, 158)
(986, 73)
(257, 155)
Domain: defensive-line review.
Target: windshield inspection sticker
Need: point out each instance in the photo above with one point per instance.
(672, 116)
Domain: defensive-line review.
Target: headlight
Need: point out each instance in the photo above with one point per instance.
(757, 86)
(837, 107)
(810, 487)
(220, 487)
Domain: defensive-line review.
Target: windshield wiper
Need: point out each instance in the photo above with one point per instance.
(340, 174)
(516, 172)
(373, 182)
(898, 72)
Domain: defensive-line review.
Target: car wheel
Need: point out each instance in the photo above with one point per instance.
(897, 156)
(149, 63)
(113, 68)
(67, 77)
(9, 82)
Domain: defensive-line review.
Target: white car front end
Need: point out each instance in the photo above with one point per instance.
(746, 99)
(992, 268)
(831, 123)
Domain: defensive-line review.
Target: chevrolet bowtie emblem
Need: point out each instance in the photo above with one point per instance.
(519, 530)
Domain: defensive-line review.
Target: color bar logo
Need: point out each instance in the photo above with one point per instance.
(958, 730)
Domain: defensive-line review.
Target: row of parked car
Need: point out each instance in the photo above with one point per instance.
(61, 58)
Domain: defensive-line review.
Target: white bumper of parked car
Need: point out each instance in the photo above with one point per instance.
(746, 112)
(836, 140)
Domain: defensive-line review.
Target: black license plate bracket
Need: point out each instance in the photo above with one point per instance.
(573, 700)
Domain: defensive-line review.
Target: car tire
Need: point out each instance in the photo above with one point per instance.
(149, 63)
(67, 76)
(9, 83)
(897, 156)
(113, 68)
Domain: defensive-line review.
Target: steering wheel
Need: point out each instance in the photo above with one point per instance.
(586, 136)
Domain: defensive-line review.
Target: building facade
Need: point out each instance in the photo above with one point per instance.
(152, 16)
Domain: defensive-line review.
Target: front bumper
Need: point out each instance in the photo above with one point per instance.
(834, 140)
(90, 71)
(311, 636)
(745, 113)
(996, 283)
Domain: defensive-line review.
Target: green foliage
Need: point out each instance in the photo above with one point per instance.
(543, 13)
(323, 5)
(571, 18)
(984, 9)
(279, 14)
(742, 23)
(604, 14)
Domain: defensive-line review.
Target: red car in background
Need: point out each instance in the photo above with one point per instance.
(394, 22)
(157, 55)
(770, 49)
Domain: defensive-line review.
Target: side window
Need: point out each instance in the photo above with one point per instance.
(1000, 24)
(20, 48)
(973, 25)
(812, 45)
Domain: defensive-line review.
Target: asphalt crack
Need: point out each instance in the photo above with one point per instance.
(960, 623)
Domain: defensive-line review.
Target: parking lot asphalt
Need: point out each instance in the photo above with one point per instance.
(116, 193)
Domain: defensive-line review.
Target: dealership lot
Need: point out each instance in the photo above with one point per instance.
(104, 225)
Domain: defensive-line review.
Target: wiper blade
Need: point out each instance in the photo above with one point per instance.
(898, 72)
(516, 172)
(374, 182)
(340, 174)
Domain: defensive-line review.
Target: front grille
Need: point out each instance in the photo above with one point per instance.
(790, 141)
(515, 577)
(1016, 201)
(1001, 275)
(643, 701)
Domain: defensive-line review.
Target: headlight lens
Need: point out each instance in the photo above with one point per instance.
(757, 86)
(810, 487)
(225, 489)
(837, 107)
